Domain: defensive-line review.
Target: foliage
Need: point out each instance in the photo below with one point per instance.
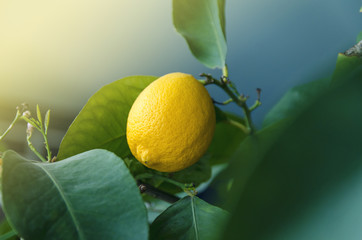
(201, 221)
(82, 197)
(202, 24)
(102, 122)
(298, 177)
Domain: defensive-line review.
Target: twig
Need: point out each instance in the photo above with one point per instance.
(239, 100)
(150, 176)
(154, 192)
(17, 116)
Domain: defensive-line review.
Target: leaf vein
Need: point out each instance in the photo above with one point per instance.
(212, 21)
(66, 201)
(194, 218)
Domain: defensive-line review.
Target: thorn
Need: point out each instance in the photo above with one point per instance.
(258, 91)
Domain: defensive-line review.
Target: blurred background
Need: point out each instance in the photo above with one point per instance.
(58, 53)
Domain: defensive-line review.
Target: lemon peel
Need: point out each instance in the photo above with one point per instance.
(171, 123)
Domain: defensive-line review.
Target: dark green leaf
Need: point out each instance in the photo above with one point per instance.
(189, 218)
(295, 100)
(220, 115)
(103, 120)
(88, 196)
(345, 66)
(302, 180)
(202, 24)
(134, 166)
(197, 173)
(6, 232)
(227, 138)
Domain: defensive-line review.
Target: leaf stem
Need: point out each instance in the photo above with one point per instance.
(17, 116)
(238, 125)
(224, 102)
(38, 124)
(49, 153)
(32, 148)
(225, 71)
(241, 102)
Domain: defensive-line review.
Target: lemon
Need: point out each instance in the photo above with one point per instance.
(171, 123)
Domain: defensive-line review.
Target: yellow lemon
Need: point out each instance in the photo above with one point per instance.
(171, 123)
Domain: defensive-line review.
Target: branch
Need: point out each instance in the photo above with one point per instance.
(154, 192)
(239, 100)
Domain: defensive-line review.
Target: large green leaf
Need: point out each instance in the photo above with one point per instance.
(89, 196)
(303, 180)
(295, 100)
(103, 120)
(345, 66)
(189, 218)
(202, 24)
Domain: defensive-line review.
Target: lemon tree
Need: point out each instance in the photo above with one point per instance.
(152, 157)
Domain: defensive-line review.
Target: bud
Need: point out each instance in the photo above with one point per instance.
(27, 114)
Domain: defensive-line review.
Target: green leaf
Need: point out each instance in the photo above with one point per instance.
(88, 196)
(38, 113)
(102, 121)
(6, 232)
(221, 7)
(227, 138)
(302, 180)
(189, 218)
(295, 100)
(298, 97)
(220, 115)
(197, 173)
(344, 67)
(46, 121)
(202, 24)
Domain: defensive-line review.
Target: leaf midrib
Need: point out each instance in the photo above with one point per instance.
(212, 21)
(194, 218)
(66, 201)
